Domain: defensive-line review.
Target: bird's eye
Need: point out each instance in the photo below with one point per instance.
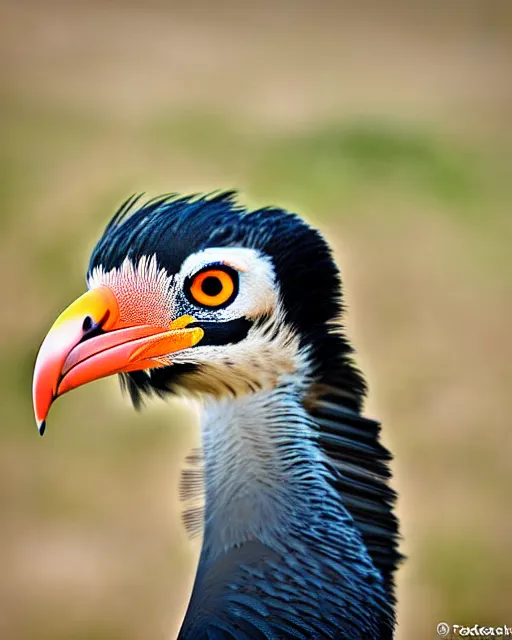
(213, 287)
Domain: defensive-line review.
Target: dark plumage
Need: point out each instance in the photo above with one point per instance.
(331, 574)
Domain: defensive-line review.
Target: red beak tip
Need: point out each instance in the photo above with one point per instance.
(41, 425)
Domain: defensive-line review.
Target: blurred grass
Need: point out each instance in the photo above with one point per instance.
(415, 196)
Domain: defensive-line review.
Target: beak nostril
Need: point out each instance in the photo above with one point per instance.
(91, 329)
(87, 324)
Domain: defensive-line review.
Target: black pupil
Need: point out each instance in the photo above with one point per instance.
(211, 286)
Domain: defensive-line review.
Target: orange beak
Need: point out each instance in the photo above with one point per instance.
(88, 341)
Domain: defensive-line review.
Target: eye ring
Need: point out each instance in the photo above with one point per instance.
(213, 287)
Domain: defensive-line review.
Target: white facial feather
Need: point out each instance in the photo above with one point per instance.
(258, 289)
(259, 361)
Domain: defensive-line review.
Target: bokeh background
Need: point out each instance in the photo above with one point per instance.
(387, 124)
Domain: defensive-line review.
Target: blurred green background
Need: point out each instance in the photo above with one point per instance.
(385, 124)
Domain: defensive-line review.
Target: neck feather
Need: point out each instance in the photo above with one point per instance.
(262, 465)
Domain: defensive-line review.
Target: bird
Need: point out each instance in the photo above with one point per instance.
(242, 310)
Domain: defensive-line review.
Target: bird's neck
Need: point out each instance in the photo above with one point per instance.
(262, 466)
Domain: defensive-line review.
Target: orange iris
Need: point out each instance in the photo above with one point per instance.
(212, 287)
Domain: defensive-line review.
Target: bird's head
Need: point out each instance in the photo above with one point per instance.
(194, 294)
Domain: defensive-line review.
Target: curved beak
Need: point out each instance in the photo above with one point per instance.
(88, 341)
